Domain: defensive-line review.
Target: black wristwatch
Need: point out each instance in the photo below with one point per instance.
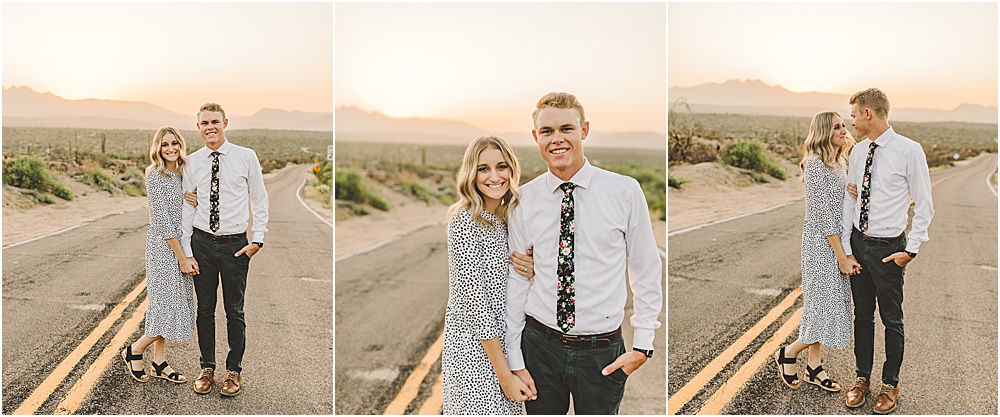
(912, 254)
(259, 244)
(648, 353)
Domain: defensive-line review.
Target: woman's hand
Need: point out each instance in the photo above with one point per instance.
(191, 197)
(849, 265)
(524, 264)
(514, 388)
(189, 266)
(852, 190)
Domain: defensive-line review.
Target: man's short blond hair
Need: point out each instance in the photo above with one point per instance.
(212, 107)
(559, 100)
(874, 99)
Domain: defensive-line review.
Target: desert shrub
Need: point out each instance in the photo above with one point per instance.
(351, 186)
(45, 198)
(133, 183)
(324, 173)
(31, 172)
(100, 178)
(750, 154)
(417, 189)
(675, 182)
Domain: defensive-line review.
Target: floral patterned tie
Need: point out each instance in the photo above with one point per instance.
(866, 188)
(213, 196)
(565, 291)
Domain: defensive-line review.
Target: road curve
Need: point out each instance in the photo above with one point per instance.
(56, 290)
(725, 278)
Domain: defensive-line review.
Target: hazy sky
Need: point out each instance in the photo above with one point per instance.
(936, 55)
(246, 56)
(488, 64)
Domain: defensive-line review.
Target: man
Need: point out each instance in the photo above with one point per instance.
(585, 226)
(226, 178)
(888, 172)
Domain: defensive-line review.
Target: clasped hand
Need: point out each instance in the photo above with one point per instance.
(189, 266)
(849, 265)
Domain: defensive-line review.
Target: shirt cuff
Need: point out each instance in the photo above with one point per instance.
(258, 237)
(913, 245)
(643, 339)
(515, 360)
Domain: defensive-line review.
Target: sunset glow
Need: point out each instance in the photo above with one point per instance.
(488, 63)
(247, 56)
(933, 55)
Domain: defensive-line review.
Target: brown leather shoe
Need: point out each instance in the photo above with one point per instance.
(886, 401)
(856, 395)
(203, 385)
(231, 386)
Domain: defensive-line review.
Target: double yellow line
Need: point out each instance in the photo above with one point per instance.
(734, 384)
(86, 382)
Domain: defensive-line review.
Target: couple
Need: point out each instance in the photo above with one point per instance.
(548, 326)
(854, 245)
(209, 232)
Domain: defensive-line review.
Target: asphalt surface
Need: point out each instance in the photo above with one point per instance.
(390, 309)
(56, 290)
(724, 278)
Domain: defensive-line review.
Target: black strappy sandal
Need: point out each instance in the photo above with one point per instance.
(826, 384)
(128, 357)
(791, 380)
(173, 377)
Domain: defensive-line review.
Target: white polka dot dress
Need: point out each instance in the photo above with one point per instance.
(477, 270)
(171, 294)
(826, 293)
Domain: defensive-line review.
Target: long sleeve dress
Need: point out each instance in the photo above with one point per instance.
(477, 271)
(826, 293)
(170, 293)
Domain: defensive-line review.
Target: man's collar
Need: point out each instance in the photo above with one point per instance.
(224, 149)
(580, 179)
(885, 137)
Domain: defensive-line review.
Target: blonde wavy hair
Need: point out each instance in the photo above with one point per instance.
(157, 161)
(819, 142)
(469, 197)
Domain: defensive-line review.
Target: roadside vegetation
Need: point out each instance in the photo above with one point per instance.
(695, 138)
(426, 173)
(114, 161)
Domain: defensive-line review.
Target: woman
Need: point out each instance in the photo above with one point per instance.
(170, 293)
(475, 375)
(826, 291)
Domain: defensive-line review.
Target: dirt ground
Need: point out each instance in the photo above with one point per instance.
(22, 221)
(717, 192)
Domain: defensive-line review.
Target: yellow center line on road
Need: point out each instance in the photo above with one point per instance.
(412, 384)
(86, 382)
(433, 404)
(696, 384)
(730, 388)
(49, 385)
(734, 384)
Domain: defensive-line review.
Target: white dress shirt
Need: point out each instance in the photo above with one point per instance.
(240, 183)
(899, 174)
(612, 230)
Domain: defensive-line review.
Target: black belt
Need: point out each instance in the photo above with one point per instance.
(570, 341)
(219, 238)
(880, 241)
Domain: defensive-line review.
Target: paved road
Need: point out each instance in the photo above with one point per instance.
(725, 278)
(58, 289)
(390, 310)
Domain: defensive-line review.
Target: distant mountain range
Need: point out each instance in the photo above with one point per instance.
(357, 125)
(25, 107)
(756, 97)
